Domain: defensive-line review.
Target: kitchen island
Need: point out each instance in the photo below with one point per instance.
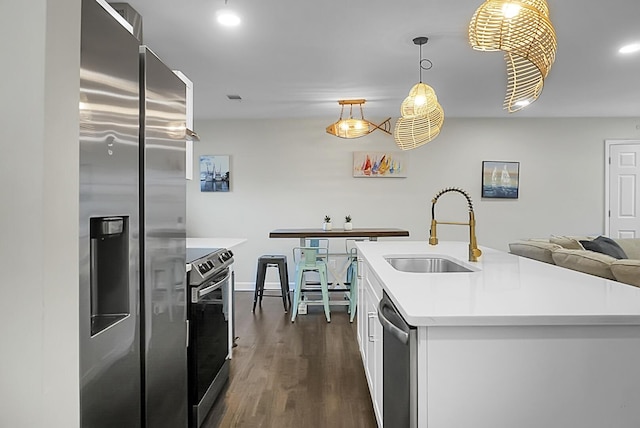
(510, 343)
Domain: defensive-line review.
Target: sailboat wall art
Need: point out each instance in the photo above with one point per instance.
(379, 165)
(214, 173)
(500, 179)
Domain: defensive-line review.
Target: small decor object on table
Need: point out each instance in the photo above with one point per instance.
(347, 223)
(327, 223)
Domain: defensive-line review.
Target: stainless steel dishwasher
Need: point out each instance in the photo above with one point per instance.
(400, 365)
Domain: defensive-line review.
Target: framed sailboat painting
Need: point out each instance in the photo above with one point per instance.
(379, 165)
(214, 173)
(500, 179)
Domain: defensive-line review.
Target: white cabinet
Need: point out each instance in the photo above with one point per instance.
(189, 123)
(374, 353)
(361, 313)
(370, 334)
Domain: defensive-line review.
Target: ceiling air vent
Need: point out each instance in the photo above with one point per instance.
(234, 97)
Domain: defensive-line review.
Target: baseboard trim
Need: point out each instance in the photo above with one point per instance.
(251, 286)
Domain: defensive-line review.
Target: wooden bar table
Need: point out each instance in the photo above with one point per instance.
(371, 233)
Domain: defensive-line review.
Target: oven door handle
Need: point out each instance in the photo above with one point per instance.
(199, 293)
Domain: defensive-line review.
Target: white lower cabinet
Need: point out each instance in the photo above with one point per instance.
(526, 368)
(370, 335)
(377, 373)
(361, 312)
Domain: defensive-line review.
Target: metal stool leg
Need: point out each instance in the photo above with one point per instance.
(296, 294)
(322, 270)
(284, 285)
(353, 291)
(260, 276)
(286, 282)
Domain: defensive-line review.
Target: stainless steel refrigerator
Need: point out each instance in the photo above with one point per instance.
(133, 333)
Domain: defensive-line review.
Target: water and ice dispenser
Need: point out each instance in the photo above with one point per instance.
(109, 271)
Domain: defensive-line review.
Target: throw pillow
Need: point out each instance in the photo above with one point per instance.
(537, 250)
(568, 242)
(605, 245)
(630, 246)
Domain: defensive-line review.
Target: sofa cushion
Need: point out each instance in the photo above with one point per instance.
(570, 242)
(627, 271)
(631, 247)
(585, 261)
(537, 250)
(605, 245)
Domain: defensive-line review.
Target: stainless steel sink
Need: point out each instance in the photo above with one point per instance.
(424, 264)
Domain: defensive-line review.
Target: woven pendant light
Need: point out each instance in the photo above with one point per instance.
(349, 128)
(352, 127)
(523, 31)
(413, 132)
(422, 115)
(421, 100)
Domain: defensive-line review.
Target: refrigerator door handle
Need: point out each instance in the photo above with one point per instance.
(187, 324)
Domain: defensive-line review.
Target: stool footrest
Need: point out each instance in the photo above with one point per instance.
(312, 289)
(332, 302)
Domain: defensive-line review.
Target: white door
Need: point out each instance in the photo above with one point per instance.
(623, 188)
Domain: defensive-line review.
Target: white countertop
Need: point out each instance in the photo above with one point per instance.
(227, 243)
(504, 290)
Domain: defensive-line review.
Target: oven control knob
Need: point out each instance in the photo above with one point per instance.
(226, 255)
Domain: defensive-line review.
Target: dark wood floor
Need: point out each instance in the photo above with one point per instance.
(303, 374)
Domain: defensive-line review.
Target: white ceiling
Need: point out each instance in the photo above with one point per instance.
(297, 58)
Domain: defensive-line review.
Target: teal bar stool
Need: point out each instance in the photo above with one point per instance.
(352, 280)
(310, 259)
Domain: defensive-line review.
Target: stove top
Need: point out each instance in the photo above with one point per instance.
(194, 254)
(207, 262)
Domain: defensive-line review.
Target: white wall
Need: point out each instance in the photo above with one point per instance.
(39, 191)
(290, 173)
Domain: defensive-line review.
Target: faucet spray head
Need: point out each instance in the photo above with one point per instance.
(453, 189)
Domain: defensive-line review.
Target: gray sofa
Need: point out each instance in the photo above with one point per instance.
(569, 252)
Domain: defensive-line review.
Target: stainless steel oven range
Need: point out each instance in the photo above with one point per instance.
(210, 319)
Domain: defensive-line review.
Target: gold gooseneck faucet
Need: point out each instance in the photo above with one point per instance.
(474, 251)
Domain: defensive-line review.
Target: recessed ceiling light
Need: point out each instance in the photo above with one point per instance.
(631, 48)
(227, 18)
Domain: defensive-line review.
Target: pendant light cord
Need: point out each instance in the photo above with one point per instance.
(420, 63)
(421, 41)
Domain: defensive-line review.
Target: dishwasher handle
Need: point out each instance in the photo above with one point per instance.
(387, 314)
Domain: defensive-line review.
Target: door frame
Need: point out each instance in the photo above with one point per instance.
(608, 144)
